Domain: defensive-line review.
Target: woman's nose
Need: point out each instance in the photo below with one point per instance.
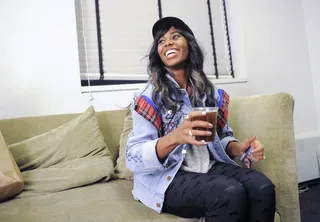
(168, 43)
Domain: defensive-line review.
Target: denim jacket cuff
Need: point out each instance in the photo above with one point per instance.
(226, 140)
(149, 155)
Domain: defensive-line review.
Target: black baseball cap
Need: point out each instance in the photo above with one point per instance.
(167, 22)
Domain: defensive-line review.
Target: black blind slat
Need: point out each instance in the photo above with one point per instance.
(97, 7)
(212, 41)
(160, 9)
(228, 37)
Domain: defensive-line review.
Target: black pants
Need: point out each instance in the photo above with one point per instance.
(226, 193)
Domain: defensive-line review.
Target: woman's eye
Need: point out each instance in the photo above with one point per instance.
(175, 36)
(161, 41)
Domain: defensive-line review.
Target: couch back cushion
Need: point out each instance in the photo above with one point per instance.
(19, 129)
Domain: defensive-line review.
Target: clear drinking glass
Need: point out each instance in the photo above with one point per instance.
(210, 117)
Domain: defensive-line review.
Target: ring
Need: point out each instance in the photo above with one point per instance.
(187, 117)
(264, 157)
(190, 133)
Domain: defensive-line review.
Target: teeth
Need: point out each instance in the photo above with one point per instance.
(170, 51)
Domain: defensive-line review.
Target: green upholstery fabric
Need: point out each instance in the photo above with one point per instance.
(71, 155)
(19, 129)
(78, 138)
(120, 170)
(111, 201)
(111, 124)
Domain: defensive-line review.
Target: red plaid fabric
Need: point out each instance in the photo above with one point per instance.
(223, 109)
(147, 109)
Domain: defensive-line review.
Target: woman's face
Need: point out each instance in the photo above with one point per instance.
(173, 48)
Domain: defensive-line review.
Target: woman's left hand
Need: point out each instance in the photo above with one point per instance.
(237, 149)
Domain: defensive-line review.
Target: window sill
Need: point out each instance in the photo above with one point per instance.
(229, 81)
(133, 87)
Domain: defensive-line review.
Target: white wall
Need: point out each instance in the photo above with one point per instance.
(312, 22)
(307, 160)
(276, 46)
(280, 50)
(276, 54)
(39, 61)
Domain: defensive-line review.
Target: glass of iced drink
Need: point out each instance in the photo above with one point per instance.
(210, 117)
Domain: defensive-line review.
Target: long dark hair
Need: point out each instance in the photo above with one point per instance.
(196, 78)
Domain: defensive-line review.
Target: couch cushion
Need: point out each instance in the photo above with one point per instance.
(110, 201)
(11, 180)
(71, 155)
(111, 124)
(19, 129)
(120, 170)
(77, 138)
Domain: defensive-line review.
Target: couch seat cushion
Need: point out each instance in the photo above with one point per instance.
(111, 201)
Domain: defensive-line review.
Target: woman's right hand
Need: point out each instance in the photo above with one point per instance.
(185, 133)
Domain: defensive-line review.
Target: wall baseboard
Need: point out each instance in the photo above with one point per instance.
(310, 182)
(307, 151)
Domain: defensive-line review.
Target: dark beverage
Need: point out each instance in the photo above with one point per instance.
(210, 117)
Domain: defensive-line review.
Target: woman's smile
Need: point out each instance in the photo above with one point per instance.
(170, 53)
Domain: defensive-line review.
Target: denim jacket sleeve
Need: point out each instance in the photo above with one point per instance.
(226, 136)
(141, 156)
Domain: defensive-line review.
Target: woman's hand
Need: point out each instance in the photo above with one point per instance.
(185, 133)
(237, 149)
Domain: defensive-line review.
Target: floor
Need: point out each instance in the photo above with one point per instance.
(310, 203)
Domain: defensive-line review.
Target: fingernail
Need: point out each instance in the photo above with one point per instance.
(203, 113)
(209, 133)
(210, 125)
(204, 142)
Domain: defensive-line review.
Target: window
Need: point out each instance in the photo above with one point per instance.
(114, 37)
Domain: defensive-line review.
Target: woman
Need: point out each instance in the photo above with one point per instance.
(173, 172)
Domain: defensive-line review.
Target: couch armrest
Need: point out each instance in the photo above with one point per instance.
(270, 118)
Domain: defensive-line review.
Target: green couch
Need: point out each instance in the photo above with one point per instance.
(269, 117)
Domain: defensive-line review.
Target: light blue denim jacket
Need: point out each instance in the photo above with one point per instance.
(151, 177)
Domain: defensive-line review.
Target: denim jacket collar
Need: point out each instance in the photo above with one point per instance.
(204, 97)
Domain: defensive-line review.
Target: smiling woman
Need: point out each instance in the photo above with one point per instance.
(174, 170)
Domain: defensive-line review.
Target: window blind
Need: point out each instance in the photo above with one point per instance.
(126, 37)
(195, 15)
(118, 48)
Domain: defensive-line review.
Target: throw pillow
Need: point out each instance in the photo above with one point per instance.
(120, 170)
(11, 180)
(76, 148)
